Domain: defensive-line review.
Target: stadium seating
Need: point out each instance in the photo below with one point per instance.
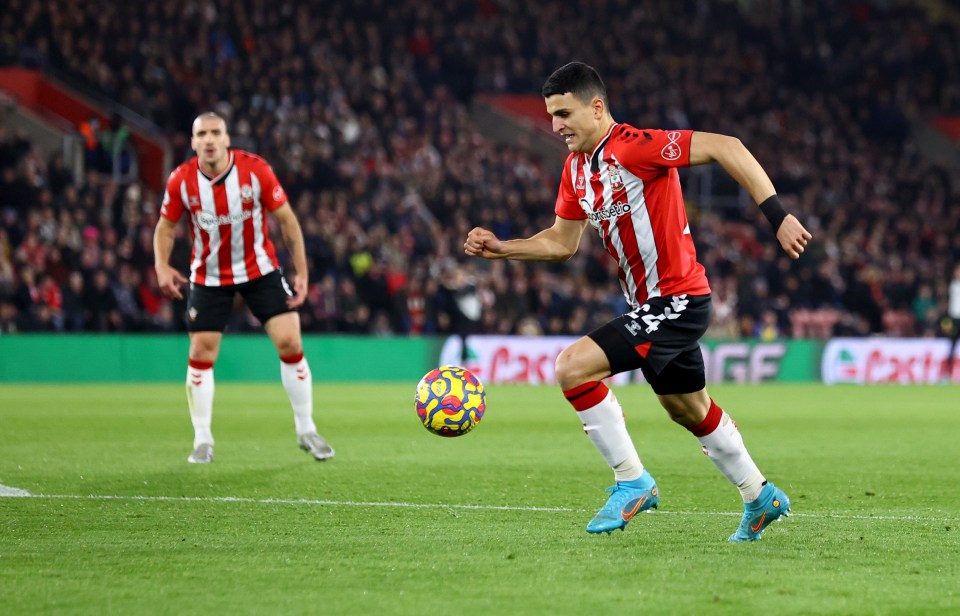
(364, 114)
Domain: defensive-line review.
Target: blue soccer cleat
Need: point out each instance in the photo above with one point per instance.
(627, 499)
(757, 515)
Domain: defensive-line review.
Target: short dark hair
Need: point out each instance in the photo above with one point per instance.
(206, 115)
(580, 79)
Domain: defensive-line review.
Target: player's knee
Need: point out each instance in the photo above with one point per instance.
(570, 370)
(204, 350)
(563, 370)
(287, 346)
(284, 330)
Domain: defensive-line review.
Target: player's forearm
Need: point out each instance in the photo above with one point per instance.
(293, 238)
(163, 241)
(540, 247)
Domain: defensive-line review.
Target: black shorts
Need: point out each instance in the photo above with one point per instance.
(209, 308)
(661, 338)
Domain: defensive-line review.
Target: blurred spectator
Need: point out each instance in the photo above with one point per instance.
(459, 305)
(9, 318)
(74, 315)
(768, 328)
(100, 305)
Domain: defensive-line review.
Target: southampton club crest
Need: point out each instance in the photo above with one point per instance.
(616, 182)
(246, 193)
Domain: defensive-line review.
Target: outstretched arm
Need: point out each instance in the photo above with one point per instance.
(293, 238)
(737, 161)
(556, 243)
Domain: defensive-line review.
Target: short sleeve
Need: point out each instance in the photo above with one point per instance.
(272, 194)
(568, 206)
(648, 152)
(172, 207)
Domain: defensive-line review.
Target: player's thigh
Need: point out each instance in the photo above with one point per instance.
(683, 374)
(209, 308)
(267, 296)
(661, 338)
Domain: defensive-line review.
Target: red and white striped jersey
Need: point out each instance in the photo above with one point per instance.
(228, 223)
(629, 190)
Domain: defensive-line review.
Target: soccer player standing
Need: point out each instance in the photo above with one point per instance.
(623, 182)
(227, 194)
(953, 321)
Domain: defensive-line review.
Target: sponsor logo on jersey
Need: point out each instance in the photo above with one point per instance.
(672, 151)
(613, 211)
(210, 222)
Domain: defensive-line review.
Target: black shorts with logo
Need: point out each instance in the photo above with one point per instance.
(661, 338)
(209, 308)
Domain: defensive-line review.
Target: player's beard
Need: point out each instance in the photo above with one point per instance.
(214, 161)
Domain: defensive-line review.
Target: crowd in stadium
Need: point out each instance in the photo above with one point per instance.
(363, 111)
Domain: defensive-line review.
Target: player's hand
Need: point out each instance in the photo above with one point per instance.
(300, 285)
(793, 237)
(482, 243)
(170, 281)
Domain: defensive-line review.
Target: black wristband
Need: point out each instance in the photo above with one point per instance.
(773, 210)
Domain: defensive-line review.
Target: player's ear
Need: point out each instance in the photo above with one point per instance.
(598, 107)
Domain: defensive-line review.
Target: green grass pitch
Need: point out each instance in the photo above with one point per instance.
(404, 522)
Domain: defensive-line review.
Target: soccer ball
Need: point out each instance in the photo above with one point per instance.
(450, 401)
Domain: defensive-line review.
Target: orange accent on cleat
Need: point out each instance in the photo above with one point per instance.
(628, 515)
(756, 527)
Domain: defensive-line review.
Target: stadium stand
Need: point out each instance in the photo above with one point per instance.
(364, 111)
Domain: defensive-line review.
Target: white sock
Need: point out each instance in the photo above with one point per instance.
(604, 424)
(723, 444)
(297, 380)
(200, 400)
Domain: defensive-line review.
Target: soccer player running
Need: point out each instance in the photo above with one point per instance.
(623, 181)
(227, 194)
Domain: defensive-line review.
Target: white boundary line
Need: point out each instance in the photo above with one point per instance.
(290, 501)
(6, 491)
